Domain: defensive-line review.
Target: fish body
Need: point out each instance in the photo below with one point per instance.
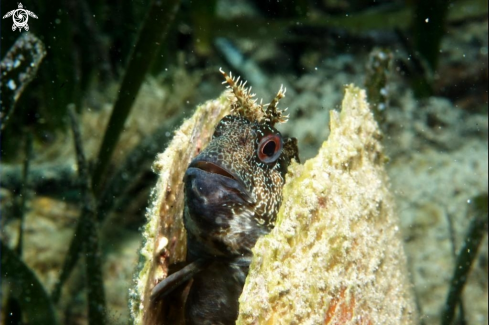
(233, 191)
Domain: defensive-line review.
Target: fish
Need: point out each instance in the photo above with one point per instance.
(233, 192)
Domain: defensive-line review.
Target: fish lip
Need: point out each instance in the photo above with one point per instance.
(213, 168)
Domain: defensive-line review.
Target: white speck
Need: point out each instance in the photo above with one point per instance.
(162, 244)
(427, 20)
(11, 84)
(316, 68)
(469, 201)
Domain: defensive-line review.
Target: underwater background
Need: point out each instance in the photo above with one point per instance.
(119, 77)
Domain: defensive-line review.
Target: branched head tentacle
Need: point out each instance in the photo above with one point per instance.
(273, 115)
(246, 105)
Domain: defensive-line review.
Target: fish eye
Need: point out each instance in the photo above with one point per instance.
(270, 148)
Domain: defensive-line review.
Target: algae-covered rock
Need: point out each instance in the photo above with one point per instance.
(335, 255)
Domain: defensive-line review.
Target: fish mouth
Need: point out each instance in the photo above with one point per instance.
(212, 168)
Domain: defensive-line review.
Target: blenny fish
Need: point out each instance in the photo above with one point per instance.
(233, 191)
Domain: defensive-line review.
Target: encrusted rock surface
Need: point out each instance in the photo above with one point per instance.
(335, 256)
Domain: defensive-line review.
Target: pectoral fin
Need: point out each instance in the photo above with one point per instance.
(178, 278)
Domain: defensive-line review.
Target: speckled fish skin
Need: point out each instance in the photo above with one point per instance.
(224, 216)
(231, 199)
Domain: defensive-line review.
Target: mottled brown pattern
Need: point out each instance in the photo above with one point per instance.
(234, 149)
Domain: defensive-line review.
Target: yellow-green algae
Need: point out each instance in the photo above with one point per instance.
(335, 256)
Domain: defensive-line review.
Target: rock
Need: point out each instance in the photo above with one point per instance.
(336, 255)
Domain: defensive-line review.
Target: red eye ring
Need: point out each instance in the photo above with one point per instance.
(270, 148)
